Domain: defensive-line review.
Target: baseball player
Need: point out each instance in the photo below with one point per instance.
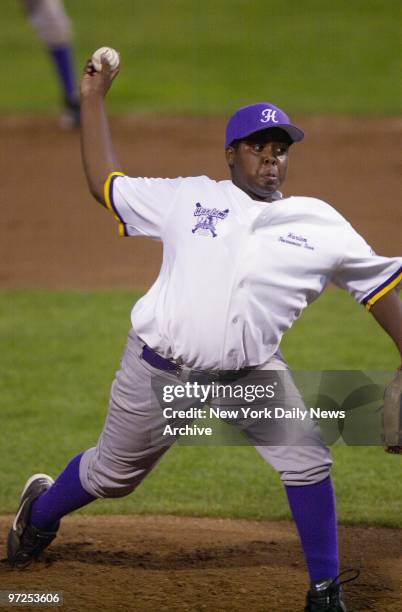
(51, 23)
(240, 263)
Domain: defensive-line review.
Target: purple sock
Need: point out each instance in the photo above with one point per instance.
(313, 509)
(63, 60)
(64, 496)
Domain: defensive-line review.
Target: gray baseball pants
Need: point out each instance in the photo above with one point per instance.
(130, 443)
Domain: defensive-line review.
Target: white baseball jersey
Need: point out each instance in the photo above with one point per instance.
(236, 273)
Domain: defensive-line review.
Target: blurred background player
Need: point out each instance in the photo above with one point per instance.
(50, 21)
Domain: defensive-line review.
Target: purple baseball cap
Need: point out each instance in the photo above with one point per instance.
(256, 117)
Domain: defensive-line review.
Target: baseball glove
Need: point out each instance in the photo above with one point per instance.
(392, 415)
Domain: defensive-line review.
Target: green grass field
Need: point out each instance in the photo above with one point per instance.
(60, 349)
(60, 353)
(187, 56)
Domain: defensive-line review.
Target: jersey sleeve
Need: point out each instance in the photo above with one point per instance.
(364, 274)
(140, 205)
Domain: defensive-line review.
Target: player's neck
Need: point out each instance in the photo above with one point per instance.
(267, 199)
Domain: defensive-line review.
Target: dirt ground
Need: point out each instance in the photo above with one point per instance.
(53, 235)
(194, 564)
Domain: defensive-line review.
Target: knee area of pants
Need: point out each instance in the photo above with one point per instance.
(304, 478)
(52, 26)
(111, 492)
(105, 484)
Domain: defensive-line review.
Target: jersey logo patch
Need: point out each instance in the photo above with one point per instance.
(207, 220)
(296, 240)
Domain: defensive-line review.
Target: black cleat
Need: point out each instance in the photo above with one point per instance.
(26, 542)
(326, 595)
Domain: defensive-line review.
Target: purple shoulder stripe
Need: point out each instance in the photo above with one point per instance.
(382, 286)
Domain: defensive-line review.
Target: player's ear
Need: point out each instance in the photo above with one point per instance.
(230, 155)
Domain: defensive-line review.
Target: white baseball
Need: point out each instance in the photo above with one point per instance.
(111, 56)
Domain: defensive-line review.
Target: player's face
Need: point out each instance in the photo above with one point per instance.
(258, 164)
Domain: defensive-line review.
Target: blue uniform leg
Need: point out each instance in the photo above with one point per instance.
(64, 496)
(313, 510)
(51, 23)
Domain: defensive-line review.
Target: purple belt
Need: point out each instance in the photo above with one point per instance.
(157, 361)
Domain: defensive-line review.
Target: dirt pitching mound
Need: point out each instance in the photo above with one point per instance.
(191, 564)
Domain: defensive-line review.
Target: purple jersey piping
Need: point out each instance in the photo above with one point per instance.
(382, 286)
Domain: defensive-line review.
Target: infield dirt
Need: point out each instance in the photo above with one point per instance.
(147, 563)
(53, 235)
